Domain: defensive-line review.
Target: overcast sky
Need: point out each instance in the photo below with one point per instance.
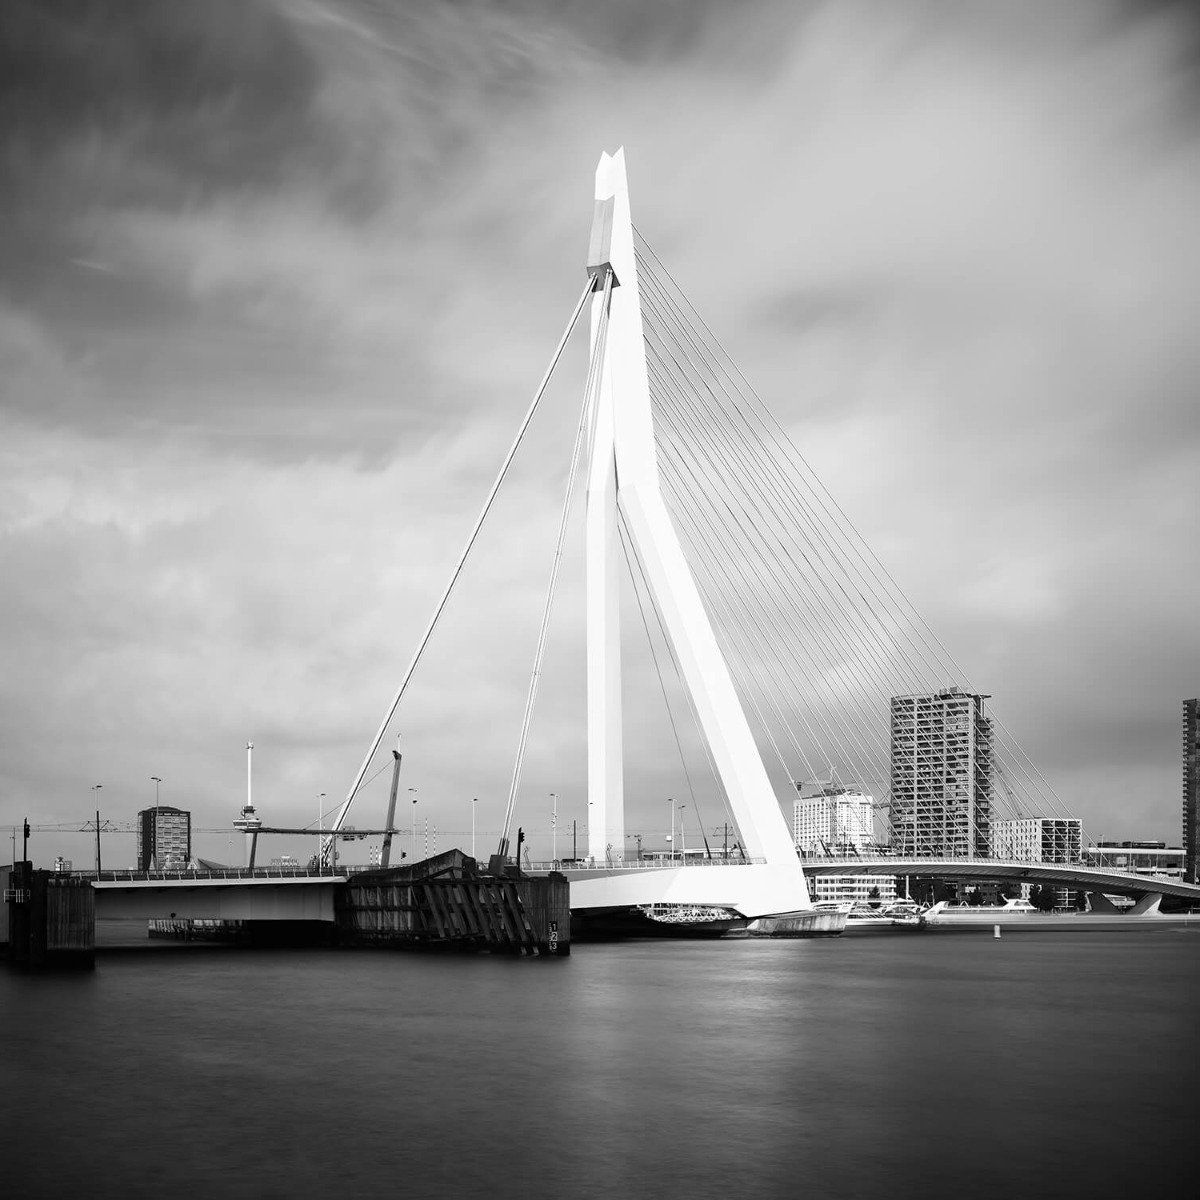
(280, 278)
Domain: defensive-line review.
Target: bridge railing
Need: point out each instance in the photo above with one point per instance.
(644, 864)
(873, 856)
(232, 873)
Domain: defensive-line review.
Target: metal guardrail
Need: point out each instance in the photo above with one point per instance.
(231, 873)
(645, 864)
(983, 859)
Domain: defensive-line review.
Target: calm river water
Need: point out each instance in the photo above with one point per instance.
(943, 1065)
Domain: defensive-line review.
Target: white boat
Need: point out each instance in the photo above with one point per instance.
(864, 919)
(1020, 914)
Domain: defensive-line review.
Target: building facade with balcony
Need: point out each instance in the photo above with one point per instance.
(1038, 839)
(833, 822)
(164, 838)
(941, 775)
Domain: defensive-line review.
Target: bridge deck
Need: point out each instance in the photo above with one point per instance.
(1066, 874)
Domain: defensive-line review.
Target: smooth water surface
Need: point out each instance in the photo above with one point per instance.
(941, 1065)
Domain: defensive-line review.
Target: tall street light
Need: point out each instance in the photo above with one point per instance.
(95, 800)
(474, 801)
(156, 780)
(413, 793)
(671, 835)
(554, 827)
(320, 831)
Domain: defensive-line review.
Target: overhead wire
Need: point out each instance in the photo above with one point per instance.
(882, 618)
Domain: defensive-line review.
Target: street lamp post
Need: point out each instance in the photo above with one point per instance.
(554, 827)
(320, 832)
(154, 857)
(474, 801)
(96, 800)
(671, 835)
(413, 793)
(682, 834)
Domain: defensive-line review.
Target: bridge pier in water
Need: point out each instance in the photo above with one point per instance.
(50, 919)
(447, 903)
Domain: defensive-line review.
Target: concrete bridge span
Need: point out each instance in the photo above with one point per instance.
(1071, 875)
(291, 898)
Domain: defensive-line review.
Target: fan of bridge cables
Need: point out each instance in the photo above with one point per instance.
(817, 633)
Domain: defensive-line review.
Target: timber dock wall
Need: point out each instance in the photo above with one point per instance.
(447, 902)
(51, 919)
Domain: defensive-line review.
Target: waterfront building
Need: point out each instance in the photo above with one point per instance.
(164, 838)
(834, 821)
(1191, 790)
(853, 889)
(941, 760)
(1155, 859)
(1038, 839)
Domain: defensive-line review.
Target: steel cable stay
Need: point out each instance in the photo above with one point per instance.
(621, 531)
(736, 647)
(326, 847)
(876, 659)
(759, 643)
(587, 417)
(755, 521)
(761, 451)
(920, 627)
(838, 613)
(1007, 748)
(722, 599)
(875, 625)
(769, 649)
(742, 533)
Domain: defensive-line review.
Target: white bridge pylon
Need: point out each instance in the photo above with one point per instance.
(623, 477)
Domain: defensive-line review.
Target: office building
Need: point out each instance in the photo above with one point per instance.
(1038, 839)
(854, 889)
(1191, 790)
(1155, 859)
(164, 838)
(941, 775)
(833, 822)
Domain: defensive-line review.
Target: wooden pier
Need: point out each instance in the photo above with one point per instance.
(51, 918)
(447, 902)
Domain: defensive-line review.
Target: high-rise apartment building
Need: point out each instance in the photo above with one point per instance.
(941, 775)
(1038, 839)
(834, 821)
(1191, 790)
(164, 837)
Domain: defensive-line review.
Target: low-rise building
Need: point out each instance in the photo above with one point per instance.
(1155, 859)
(853, 889)
(1038, 839)
(164, 838)
(834, 821)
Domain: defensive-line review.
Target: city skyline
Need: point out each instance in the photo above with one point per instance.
(264, 366)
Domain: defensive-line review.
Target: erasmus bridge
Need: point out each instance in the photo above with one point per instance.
(777, 636)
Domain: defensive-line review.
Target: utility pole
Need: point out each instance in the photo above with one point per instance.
(154, 858)
(574, 840)
(320, 830)
(413, 793)
(474, 801)
(96, 788)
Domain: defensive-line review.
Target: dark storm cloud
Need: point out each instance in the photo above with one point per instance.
(193, 97)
